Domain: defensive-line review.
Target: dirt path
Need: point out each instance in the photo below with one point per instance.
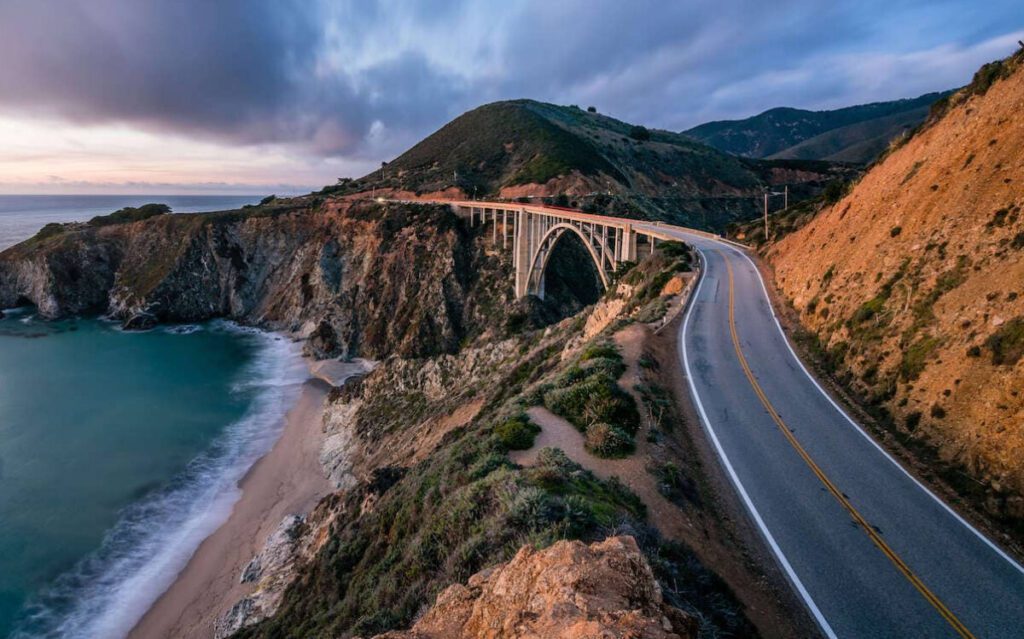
(711, 520)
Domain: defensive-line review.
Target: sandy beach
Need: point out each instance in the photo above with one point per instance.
(288, 480)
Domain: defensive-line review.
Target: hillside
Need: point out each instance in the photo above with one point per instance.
(523, 148)
(855, 134)
(912, 284)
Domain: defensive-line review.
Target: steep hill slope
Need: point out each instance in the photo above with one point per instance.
(523, 148)
(913, 282)
(853, 134)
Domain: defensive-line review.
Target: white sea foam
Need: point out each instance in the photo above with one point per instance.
(183, 329)
(108, 592)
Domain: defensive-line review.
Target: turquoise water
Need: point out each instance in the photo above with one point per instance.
(119, 453)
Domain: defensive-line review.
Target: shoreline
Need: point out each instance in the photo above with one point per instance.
(288, 480)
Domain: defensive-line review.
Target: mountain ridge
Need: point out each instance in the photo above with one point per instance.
(787, 132)
(529, 149)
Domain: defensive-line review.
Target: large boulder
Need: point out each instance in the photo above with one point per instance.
(567, 591)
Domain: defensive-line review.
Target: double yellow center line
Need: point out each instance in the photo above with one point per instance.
(820, 474)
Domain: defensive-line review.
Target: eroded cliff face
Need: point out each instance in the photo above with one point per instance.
(913, 283)
(567, 591)
(356, 278)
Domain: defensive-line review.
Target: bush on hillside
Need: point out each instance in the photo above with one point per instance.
(605, 440)
(49, 230)
(640, 133)
(600, 350)
(1007, 343)
(130, 214)
(594, 399)
(517, 433)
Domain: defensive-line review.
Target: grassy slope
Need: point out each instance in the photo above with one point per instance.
(774, 132)
(466, 506)
(859, 142)
(602, 164)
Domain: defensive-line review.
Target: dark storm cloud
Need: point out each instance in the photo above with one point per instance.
(359, 78)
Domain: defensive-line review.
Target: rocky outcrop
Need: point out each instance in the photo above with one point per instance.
(568, 591)
(356, 278)
(398, 412)
(272, 569)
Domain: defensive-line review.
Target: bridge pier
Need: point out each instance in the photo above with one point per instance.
(626, 247)
(521, 252)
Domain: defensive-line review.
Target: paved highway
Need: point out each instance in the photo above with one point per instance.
(871, 552)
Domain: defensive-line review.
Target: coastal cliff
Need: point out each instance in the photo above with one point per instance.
(424, 493)
(355, 278)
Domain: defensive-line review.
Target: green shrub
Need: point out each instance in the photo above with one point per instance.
(834, 191)
(594, 399)
(894, 231)
(517, 433)
(600, 349)
(130, 214)
(605, 440)
(49, 230)
(610, 366)
(913, 419)
(916, 357)
(639, 133)
(868, 310)
(1007, 343)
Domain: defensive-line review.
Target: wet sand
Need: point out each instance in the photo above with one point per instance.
(288, 480)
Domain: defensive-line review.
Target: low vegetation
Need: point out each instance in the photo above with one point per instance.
(588, 396)
(517, 433)
(130, 214)
(1007, 343)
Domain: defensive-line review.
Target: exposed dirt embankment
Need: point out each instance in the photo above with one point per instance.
(355, 277)
(914, 283)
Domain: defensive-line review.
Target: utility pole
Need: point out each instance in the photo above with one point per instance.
(786, 200)
(766, 216)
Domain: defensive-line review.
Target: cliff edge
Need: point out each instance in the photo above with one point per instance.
(567, 591)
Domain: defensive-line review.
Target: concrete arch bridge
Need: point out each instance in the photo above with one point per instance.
(533, 231)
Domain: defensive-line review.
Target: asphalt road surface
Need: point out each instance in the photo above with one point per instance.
(871, 551)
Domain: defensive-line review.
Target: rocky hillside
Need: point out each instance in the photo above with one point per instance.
(427, 495)
(337, 272)
(567, 591)
(913, 283)
(854, 134)
(524, 148)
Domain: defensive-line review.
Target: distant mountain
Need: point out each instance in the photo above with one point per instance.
(524, 148)
(854, 134)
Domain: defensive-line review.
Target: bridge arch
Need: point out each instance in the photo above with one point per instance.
(598, 250)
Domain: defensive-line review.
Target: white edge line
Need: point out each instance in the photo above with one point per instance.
(794, 579)
(868, 437)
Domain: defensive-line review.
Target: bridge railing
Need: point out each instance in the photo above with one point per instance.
(655, 229)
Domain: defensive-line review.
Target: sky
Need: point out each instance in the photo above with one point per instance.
(284, 96)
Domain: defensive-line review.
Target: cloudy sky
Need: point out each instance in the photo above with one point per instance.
(222, 96)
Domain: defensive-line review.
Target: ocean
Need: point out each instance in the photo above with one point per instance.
(120, 451)
(21, 216)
